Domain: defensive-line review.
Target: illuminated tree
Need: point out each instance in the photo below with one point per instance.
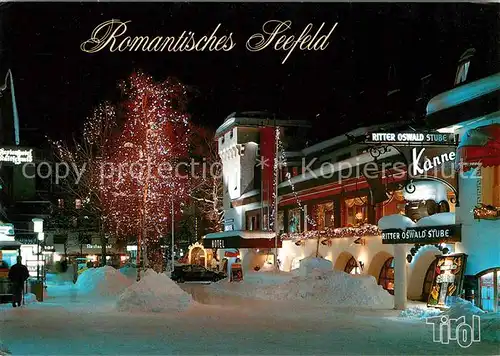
(81, 172)
(143, 179)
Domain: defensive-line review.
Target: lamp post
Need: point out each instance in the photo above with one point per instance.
(10, 79)
(38, 229)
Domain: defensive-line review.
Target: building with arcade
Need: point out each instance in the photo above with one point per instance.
(384, 200)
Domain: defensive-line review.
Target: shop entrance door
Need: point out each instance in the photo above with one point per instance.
(489, 285)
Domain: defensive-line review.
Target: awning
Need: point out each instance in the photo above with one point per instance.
(10, 245)
(479, 146)
(241, 239)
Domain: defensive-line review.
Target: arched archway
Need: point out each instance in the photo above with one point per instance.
(428, 280)
(377, 262)
(343, 260)
(386, 276)
(197, 255)
(418, 288)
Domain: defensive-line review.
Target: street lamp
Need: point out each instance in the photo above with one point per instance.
(10, 79)
(38, 229)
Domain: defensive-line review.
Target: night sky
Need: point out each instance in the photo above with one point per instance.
(57, 84)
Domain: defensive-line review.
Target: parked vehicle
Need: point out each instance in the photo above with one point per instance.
(195, 273)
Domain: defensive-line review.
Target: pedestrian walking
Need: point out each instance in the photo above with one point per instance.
(18, 274)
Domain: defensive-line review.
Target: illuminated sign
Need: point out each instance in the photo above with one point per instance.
(216, 243)
(98, 246)
(423, 234)
(422, 164)
(434, 138)
(16, 156)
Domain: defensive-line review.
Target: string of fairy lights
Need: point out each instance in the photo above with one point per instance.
(279, 163)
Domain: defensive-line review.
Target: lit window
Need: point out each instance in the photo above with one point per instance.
(294, 220)
(78, 203)
(356, 211)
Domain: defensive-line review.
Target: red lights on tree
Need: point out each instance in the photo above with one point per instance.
(142, 173)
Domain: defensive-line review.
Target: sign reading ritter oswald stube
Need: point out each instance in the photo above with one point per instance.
(415, 138)
(424, 235)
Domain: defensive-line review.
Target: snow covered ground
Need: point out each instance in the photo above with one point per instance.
(71, 321)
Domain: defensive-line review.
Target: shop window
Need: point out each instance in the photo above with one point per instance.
(281, 221)
(428, 280)
(253, 220)
(490, 186)
(386, 276)
(324, 215)
(395, 204)
(294, 220)
(489, 290)
(352, 266)
(356, 211)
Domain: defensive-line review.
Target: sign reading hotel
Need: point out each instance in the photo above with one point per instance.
(412, 138)
(16, 156)
(423, 235)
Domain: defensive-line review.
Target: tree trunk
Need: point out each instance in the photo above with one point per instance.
(317, 247)
(103, 244)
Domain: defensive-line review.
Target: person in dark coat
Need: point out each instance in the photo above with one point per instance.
(18, 274)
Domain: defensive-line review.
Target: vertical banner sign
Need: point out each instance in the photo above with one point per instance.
(267, 152)
(448, 279)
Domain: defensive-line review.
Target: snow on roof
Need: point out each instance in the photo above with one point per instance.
(395, 221)
(464, 93)
(438, 219)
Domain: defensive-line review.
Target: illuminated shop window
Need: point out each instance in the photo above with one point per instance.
(352, 266)
(324, 215)
(356, 211)
(489, 290)
(294, 217)
(428, 280)
(386, 276)
(488, 188)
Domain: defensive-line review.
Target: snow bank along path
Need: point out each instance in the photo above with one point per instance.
(489, 322)
(104, 281)
(316, 282)
(155, 292)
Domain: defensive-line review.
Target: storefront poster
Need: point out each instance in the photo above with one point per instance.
(448, 279)
(236, 272)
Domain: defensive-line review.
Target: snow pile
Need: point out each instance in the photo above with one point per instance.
(310, 264)
(30, 298)
(334, 288)
(438, 219)
(103, 281)
(490, 322)
(420, 312)
(155, 292)
(395, 221)
(129, 272)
